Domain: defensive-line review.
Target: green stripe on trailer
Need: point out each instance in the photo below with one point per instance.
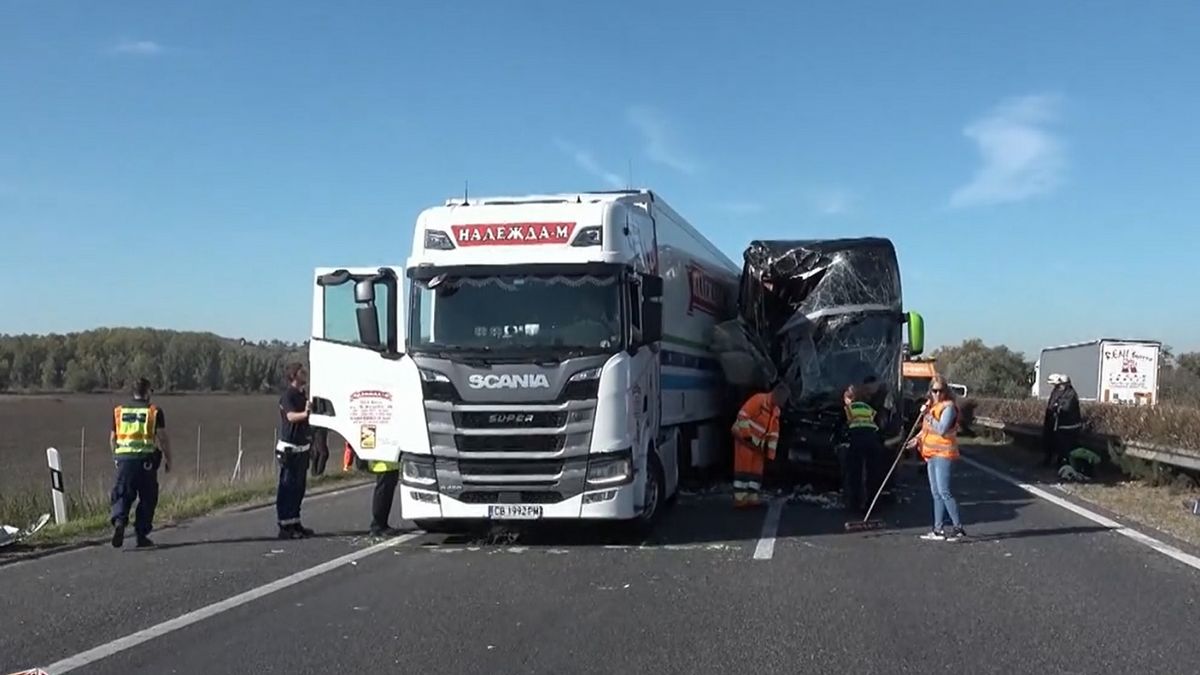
(684, 342)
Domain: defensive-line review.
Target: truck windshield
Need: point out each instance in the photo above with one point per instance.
(518, 312)
(916, 387)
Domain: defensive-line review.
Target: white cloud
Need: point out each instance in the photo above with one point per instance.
(588, 163)
(831, 201)
(661, 144)
(1021, 158)
(138, 47)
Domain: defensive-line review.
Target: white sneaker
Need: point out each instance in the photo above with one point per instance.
(935, 535)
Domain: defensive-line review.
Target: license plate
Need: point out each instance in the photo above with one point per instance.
(514, 512)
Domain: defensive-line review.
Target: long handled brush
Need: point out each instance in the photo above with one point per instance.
(866, 523)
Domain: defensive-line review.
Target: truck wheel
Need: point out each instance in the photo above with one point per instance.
(653, 497)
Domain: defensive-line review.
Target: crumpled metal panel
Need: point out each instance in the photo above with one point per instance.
(824, 314)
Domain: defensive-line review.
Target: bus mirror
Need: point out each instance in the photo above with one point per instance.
(916, 334)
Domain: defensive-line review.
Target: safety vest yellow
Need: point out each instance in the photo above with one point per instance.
(861, 416)
(380, 466)
(135, 427)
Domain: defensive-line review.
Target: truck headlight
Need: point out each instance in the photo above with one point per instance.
(432, 376)
(418, 471)
(610, 469)
(589, 374)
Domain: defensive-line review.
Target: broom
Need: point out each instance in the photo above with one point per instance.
(866, 523)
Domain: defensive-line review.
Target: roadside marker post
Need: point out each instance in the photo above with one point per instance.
(237, 467)
(56, 486)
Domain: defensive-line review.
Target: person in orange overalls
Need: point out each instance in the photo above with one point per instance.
(755, 438)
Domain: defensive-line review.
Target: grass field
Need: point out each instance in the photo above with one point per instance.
(203, 428)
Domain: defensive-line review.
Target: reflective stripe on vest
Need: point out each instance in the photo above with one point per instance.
(135, 428)
(861, 416)
(937, 445)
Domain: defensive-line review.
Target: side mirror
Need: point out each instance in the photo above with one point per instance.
(652, 287)
(652, 318)
(916, 334)
(368, 323)
(364, 292)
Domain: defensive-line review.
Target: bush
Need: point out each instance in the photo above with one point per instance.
(1171, 425)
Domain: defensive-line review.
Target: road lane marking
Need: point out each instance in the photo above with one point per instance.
(1145, 539)
(134, 639)
(766, 540)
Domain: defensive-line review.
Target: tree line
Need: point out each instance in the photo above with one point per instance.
(109, 359)
(1003, 373)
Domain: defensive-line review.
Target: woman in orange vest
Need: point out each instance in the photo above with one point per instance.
(939, 448)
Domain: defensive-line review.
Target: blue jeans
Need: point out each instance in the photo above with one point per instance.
(939, 487)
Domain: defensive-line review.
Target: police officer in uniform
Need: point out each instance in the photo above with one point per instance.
(292, 453)
(860, 456)
(139, 444)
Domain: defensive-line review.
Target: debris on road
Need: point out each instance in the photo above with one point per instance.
(825, 500)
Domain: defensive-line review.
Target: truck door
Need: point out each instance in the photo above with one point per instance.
(362, 385)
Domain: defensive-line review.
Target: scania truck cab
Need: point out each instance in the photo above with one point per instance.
(540, 357)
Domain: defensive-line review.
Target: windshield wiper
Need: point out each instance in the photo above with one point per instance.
(474, 356)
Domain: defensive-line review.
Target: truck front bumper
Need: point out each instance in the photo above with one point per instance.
(614, 503)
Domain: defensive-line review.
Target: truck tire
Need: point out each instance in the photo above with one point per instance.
(654, 504)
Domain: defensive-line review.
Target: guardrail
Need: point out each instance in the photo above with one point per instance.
(1183, 458)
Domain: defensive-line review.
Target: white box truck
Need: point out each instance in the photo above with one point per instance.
(1105, 370)
(548, 358)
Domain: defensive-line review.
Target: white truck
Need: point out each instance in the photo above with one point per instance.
(1105, 370)
(548, 358)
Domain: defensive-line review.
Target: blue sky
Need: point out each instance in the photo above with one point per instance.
(1037, 164)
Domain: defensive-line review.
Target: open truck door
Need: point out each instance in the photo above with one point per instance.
(361, 383)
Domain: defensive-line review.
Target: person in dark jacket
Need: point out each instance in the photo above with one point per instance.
(1063, 420)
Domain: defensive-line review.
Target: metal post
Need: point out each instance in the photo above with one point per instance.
(237, 467)
(56, 486)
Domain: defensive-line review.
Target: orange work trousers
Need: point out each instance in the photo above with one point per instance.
(748, 465)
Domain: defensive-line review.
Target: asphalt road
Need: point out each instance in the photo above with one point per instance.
(1038, 589)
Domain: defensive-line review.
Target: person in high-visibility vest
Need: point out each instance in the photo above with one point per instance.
(938, 441)
(387, 476)
(860, 456)
(755, 440)
(139, 444)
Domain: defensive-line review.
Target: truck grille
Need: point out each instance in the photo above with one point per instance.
(523, 497)
(527, 443)
(445, 392)
(510, 420)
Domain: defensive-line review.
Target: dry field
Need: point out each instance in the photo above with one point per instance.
(203, 428)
